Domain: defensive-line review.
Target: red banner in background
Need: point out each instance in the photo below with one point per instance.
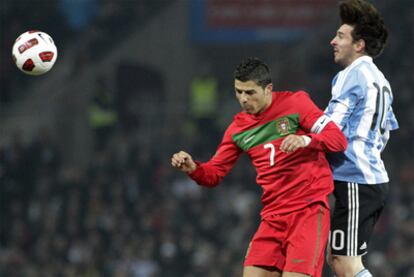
(267, 13)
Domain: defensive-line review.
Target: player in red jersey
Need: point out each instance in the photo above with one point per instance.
(286, 136)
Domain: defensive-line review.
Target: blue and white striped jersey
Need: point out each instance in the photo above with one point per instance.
(361, 107)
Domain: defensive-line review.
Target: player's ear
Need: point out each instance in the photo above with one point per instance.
(269, 88)
(360, 46)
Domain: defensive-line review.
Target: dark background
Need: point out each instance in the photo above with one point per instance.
(79, 198)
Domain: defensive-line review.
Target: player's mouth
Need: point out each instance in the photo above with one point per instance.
(248, 109)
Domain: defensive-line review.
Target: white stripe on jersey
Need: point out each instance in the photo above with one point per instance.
(362, 161)
(368, 111)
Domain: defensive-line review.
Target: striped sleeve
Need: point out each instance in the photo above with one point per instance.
(342, 104)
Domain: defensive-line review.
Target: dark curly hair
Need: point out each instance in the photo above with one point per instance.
(368, 24)
(253, 69)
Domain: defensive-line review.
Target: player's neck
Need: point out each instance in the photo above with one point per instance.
(354, 58)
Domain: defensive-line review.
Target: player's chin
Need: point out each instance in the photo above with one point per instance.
(337, 58)
(248, 110)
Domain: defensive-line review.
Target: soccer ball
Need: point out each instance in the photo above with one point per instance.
(34, 52)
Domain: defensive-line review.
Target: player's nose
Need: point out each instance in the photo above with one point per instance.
(243, 98)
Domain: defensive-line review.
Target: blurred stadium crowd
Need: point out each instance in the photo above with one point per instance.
(127, 213)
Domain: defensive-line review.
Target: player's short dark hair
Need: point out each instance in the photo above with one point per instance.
(367, 22)
(253, 69)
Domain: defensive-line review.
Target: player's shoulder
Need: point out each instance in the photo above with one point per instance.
(369, 71)
(362, 70)
(356, 76)
(240, 120)
(292, 95)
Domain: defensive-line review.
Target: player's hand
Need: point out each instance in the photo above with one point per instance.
(183, 161)
(292, 143)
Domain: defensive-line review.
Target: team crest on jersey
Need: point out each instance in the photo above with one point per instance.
(283, 126)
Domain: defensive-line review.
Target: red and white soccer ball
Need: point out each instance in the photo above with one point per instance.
(34, 52)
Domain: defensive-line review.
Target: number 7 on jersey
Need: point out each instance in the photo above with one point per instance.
(272, 153)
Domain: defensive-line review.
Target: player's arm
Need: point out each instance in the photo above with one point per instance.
(209, 174)
(329, 139)
(322, 133)
(342, 105)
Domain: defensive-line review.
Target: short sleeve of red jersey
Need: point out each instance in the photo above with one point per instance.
(210, 173)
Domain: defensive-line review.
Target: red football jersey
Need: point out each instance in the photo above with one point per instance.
(290, 181)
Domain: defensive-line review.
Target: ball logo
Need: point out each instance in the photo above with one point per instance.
(27, 45)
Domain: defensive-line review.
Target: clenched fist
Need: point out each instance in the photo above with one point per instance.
(183, 161)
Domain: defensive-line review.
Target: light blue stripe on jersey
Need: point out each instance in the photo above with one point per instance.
(361, 107)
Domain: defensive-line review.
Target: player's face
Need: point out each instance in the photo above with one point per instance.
(253, 98)
(346, 50)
